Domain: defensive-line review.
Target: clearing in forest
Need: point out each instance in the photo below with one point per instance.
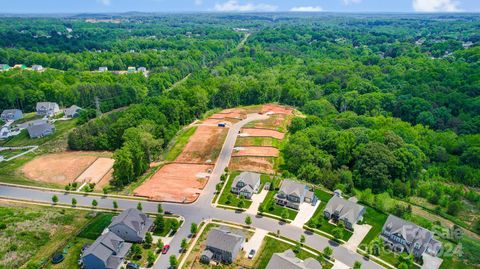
(176, 182)
(62, 168)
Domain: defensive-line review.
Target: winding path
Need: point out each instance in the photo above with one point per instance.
(198, 211)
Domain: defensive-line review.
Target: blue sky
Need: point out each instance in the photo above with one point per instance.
(76, 6)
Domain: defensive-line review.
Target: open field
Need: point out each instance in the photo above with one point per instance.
(256, 152)
(258, 132)
(177, 182)
(34, 233)
(257, 142)
(204, 145)
(253, 164)
(63, 168)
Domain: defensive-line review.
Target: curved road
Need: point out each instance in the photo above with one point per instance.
(200, 210)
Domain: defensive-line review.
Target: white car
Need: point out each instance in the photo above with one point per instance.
(251, 254)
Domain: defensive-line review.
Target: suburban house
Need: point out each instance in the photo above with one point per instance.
(4, 67)
(37, 67)
(222, 246)
(131, 225)
(72, 112)
(131, 69)
(102, 69)
(246, 184)
(47, 108)
(292, 194)
(40, 130)
(11, 114)
(108, 251)
(348, 211)
(4, 132)
(287, 260)
(402, 235)
(142, 69)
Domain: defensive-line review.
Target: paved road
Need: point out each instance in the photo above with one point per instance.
(198, 211)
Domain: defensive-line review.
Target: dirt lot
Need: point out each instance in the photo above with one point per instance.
(205, 144)
(61, 168)
(276, 109)
(176, 182)
(252, 164)
(278, 122)
(263, 133)
(217, 121)
(95, 172)
(256, 152)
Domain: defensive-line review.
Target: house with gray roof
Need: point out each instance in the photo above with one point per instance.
(401, 235)
(11, 114)
(5, 132)
(246, 184)
(292, 194)
(142, 69)
(72, 112)
(47, 108)
(348, 211)
(288, 260)
(222, 245)
(40, 130)
(131, 225)
(107, 252)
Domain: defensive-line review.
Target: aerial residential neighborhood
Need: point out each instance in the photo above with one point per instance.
(240, 134)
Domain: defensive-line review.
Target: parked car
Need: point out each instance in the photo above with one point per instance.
(165, 249)
(222, 124)
(168, 213)
(132, 265)
(251, 254)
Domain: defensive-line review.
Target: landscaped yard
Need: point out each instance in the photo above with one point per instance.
(33, 233)
(376, 219)
(271, 207)
(168, 226)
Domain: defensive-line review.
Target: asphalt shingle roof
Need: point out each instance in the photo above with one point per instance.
(287, 260)
(223, 239)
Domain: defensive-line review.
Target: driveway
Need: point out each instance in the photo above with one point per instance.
(257, 199)
(430, 262)
(359, 232)
(305, 212)
(255, 242)
(339, 265)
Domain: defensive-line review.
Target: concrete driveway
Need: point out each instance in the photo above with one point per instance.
(359, 232)
(255, 242)
(339, 265)
(257, 199)
(305, 212)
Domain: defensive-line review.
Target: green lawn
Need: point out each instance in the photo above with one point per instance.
(178, 143)
(376, 219)
(257, 142)
(72, 254)
(318, 221)
(322, 195)
(271, 207)
(10, 153)
(95, 228)
(168, 227)
(234, 199)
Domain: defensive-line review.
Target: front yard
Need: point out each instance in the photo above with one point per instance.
(271, 207)
(228, 198)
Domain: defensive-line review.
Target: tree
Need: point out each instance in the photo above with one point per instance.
(105, 190)
(139, 206)
(357, 265)
(74, 202)
(136, 251)
(248, 220)
(148, 239)
(115, 205)
(193, 228)
(159, 224)
(159, 209)
(173, 261)
(337, 233)
(174, 226)
(241, 203)
(160, 244)
(94, 203)
(297, 248)
(67, 187)
(261, 209)
(55, 199)
(328, 251)
(454, 208)
(184, 244)
(150, 258)
(302, 239)
(285, 214)
(229, 199)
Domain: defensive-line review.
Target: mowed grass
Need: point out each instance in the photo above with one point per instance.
(95, 228)
(179, 142)
(271, 207)
(376, 219)
(258, 142)
(33, 233)
(231, 199)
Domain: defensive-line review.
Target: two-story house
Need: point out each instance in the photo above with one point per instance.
(222, 246)
(246, 184)
(288, 260)
(401, 235)
(72, 112)
(292, 194)
(47, 108)
(108, 252)
(11, 114)
(40, 130)
(131, 225)
(348, 211)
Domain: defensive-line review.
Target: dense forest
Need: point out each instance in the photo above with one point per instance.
(391, 102)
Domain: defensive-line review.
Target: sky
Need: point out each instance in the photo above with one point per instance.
(104, 6)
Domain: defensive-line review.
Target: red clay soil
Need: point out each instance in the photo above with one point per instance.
(252, 164)
(217, 121)
(257, 152)
(231, 115)
(104, 180)
(205, 144)
(176, 182)
(61, 168)
(263, 133)
(95, 172)
(276, 109)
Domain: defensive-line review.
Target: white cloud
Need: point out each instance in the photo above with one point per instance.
(348, 2)
(234, 6)
(198, 2)
(105, 2)
(307, 9)
(435, 6)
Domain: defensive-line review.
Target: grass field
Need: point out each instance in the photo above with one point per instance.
(33, 233)
(10, 153)
(257, 142)
(95, 228)
(178, 143)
